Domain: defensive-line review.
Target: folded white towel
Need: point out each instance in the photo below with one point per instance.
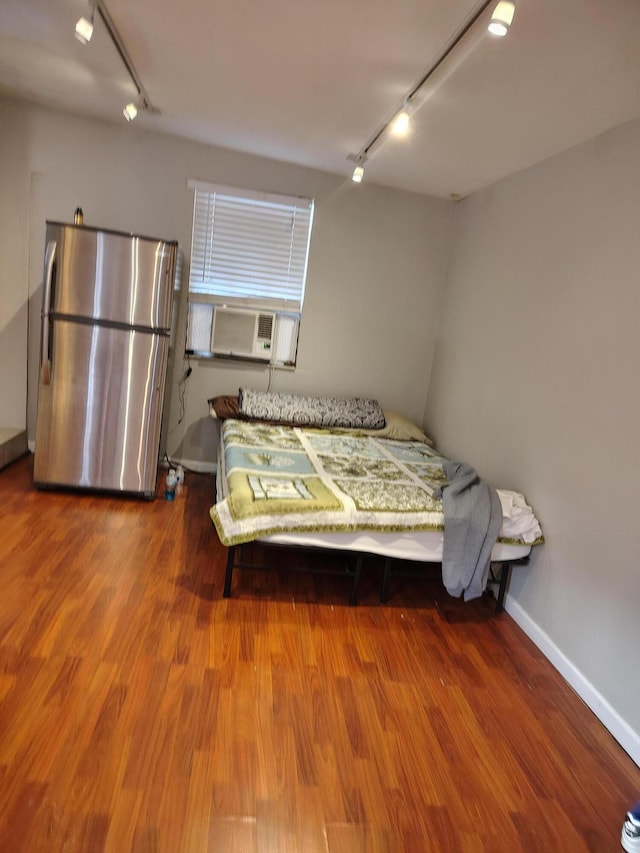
(513, 503)
(519, 521)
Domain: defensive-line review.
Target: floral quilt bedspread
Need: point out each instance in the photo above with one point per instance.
(281, 479)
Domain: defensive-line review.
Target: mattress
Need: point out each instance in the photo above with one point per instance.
(416, 545)
(422, 545)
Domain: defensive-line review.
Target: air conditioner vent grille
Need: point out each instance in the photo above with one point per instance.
(265, 326)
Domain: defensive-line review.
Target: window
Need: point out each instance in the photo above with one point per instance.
(249, 254)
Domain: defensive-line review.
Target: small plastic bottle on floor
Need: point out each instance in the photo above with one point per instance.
(179, 479)
(630, 839)
(170, 485)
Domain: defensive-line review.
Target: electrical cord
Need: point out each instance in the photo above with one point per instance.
(182, 387)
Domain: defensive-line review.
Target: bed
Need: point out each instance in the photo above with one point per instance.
(345, 475)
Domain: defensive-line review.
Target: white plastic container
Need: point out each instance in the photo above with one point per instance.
(170, 485)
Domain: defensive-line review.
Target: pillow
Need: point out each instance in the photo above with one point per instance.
(402, 429)
(302, 410)
(224, 406)
(399, 427)
(396, 425)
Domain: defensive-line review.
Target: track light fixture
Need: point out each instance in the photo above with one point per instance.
(398, 125)
(358, 172)
(84, 27)
(130, 111)
(502, 18)
(84, 31)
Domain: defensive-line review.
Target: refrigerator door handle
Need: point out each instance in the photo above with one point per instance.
(45, 362)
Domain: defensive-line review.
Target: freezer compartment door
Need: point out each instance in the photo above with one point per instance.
(111, 277)
(100, 408)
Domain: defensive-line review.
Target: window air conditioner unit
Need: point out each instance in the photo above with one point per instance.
(242, 332)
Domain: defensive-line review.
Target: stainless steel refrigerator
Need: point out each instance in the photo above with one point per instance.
(104, 348)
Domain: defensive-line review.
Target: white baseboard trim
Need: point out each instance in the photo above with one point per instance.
(628, 739)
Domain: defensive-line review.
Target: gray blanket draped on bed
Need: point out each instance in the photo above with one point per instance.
(472, 522)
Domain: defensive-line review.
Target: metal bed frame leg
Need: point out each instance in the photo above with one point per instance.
(386, 580)
(502, 588)
(229, 573)
(505, 571)
(353, 599)
(231, 564)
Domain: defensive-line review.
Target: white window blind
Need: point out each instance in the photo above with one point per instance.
(250, 248)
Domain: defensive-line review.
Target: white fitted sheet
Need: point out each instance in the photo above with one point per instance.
(423, 546)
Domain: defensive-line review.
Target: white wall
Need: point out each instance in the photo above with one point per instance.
(535, 381)
(376, 268)
(14, 240)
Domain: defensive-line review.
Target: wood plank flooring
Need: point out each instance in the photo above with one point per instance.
(141, 711)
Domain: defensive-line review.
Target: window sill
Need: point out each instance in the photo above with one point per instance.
(212, 358)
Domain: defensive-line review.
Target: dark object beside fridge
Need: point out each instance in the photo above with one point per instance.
(106, 322)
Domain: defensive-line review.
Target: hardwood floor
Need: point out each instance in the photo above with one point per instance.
(139, 710)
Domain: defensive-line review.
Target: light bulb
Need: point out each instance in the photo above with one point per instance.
(130, 111)
(358, 174)
(502, 18)
(400, 124)
(84, 30)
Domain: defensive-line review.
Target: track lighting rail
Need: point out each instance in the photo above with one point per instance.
(407, 102)
(84, 33)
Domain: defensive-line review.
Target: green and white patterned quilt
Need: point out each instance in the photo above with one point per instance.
(282, 479)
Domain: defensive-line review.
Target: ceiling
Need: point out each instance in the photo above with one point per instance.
(311, 82)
